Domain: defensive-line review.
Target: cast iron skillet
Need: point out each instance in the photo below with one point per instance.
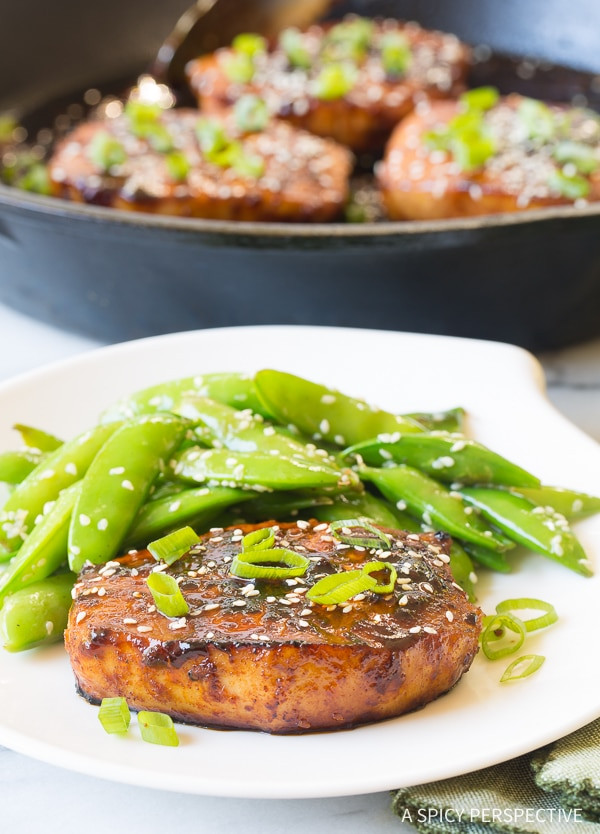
(532, 278)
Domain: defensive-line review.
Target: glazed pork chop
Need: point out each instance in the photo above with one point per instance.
(256, 654)
(180, 163)
(351, 81)
(446, 160)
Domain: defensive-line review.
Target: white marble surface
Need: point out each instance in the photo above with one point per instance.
(39, 797)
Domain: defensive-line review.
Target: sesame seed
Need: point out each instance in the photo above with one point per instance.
(101, 591)
(239, 603)
(46, 474)
(127, 485)
(177, 624)
(346, 609)
(80, 616)
(303, 623)
(129, 621)
(449, 616)
(403, 600)
(102, 524)
(116, 470)
(302, 525)
(71, 469)
(414, 630)
(210, 635)
(328, 399)
(429, 630)
(211, 606)
(324, 426)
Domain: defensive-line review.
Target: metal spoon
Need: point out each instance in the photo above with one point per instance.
(209, 24)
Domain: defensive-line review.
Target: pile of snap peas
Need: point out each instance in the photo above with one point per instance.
(225, 448)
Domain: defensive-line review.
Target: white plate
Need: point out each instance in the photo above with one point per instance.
(477, 724)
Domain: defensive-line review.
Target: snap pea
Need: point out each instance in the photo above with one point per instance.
(282, 505)
(191, 506)
(444, 457)
(38, 614)
(55, 473)
(38, 438)
(45, 549)
(432, 502)
(462, 569)
(241, 431)
(233, 389)
(451, 420)
(322, 413)
(366, 506)
(257, 470)
(573, 505)
(491, 559)
(538, 528)
(16, 466)
(117, 484)
(7, 555)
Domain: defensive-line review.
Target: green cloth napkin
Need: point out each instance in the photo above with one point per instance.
(554, 790)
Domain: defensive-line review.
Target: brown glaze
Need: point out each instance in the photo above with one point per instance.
(305, 177)
(420, 184)
(274, 661)
(365, 117)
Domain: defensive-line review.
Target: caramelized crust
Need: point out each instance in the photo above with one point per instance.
(305, 178)
(255, 654)
(364, 118)
(418, 183)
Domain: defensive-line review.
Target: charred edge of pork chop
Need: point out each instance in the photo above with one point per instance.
(256, 655)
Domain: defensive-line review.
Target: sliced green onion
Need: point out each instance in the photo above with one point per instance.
(292, 43)
(396, 54)
(534, 662)
(373, 567)
(572, 187)
(157, 728)
(340, 587)
(530, 604)
(275, 563)
(247, 164)
(261, 539)
(505, 645)
(114, 715)
(349, 39)
(335, 81)
(481, 98)
(211, 137)
(537, 119)
(472, 150)
(167, 595)
(139, 112)
(248, 43)
(342, 530)
(35, 179)
(251, 113)
(582, 156)
(178, 165)
(105, 151)
(172, 547)
(238, 67)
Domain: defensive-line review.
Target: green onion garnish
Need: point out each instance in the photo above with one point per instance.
(504, 630)
(178, 165)
(395, 53)
(340, 587)
(572, 187)
(251, 113)
(537, 119)
(335, 81)
(167, 595)
(105, 151)
(211, 137)
(140, 111)
(582, 156)
(292, 43)
(533, 661)
(261, 539)
(238, 67)
(249, 43)
(472, 150)
(373, 567)
(481, 98)
(172, 547)
(349, 39)
(247, 164)
(35, 179)
(157, 728)
(528, 604)
(114, 715)
(466, 138)
(342, 530)
(274, 563)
